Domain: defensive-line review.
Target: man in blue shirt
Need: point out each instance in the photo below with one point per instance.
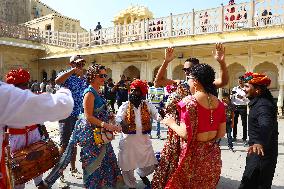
(73, 79)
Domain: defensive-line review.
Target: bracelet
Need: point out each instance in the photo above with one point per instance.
(102, 124)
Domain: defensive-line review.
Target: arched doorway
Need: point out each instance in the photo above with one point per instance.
(270, 70)
(44, 75)
(235, 71)
(53, 75)
(156, 71)
(132, 72)
(109, 72)
(178, 73)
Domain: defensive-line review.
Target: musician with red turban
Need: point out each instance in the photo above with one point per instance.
(263, 133)
(21, 138)
(135, 146)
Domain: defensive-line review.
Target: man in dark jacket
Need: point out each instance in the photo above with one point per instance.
(263, 133)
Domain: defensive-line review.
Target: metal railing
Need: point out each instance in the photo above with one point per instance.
(253, 14)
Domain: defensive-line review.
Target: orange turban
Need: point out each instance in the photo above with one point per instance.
(137, 83)
(17, 76)
(257, 79)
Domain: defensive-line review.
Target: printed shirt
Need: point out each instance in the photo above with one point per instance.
(236, 100)
(77, 86)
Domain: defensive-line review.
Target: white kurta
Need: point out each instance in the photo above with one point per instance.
(19, 108)
(135, 150)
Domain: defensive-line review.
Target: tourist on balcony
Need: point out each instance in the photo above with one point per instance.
(263, 133)
(73, 78)
(135, 146)
(219, 55)
(98, 159)
(200, 122)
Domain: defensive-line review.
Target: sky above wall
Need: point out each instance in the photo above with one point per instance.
(89, 12)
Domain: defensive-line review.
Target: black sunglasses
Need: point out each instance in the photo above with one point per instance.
(103, 75)
(186, 70)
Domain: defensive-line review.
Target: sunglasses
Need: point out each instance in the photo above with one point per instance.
(189, 77)
(186, 70)
(102, 75)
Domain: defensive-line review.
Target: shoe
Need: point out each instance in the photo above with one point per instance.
(146, 181)
(159, 136)
(75, 173)
(62, 183)
(234, 139)
(231, 149)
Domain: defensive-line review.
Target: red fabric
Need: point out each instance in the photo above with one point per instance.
(199, 162)
(137, 83)
(17, 76)
(25, 131)
(219, 116)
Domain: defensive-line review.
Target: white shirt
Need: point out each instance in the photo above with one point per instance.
(135, 150)
(19, 108)
(238, 91)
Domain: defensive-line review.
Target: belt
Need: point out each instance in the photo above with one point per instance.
(24, 131)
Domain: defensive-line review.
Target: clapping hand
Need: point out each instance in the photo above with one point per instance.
(219, 53)
(168, 121)
(256, 148)
(169, 54)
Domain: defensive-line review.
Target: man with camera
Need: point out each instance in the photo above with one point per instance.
(121, 90)
(238, 98)
(73, 79)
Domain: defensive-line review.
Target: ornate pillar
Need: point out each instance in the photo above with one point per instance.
(280, 98)
(143, 71)
(116, 71)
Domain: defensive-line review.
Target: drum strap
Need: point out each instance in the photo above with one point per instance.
(24, 131)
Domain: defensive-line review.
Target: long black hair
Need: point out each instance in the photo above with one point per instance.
(205, 75)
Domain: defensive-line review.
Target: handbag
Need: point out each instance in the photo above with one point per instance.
(102, 136)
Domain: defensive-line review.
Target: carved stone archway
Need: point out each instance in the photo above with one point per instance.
(132, 72)
(235, 71)
(178, 73)
(109, 72)
(156, 71)
(271, 71)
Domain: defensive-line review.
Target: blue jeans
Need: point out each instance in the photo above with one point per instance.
(229, 133)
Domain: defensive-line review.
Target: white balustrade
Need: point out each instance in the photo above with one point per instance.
(253, 14)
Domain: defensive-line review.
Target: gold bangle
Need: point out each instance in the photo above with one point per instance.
(102, 124)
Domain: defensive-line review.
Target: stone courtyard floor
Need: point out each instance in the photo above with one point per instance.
(232, 169)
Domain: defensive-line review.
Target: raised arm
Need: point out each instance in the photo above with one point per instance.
(63, 77)
(22, 107)
(219, 55)
(160, 80)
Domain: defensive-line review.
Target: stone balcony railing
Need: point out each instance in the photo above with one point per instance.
(19, 32)
(253, 14)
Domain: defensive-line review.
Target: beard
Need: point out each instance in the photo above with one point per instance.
(135, 100)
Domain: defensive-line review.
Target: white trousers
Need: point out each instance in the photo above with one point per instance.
(129, 178)
(19, 141)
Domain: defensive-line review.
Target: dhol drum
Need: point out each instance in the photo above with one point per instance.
(33, 160)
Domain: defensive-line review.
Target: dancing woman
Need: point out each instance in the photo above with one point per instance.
(202, 121)
(99, 162)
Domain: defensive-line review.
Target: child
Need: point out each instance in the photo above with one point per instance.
(229, 119)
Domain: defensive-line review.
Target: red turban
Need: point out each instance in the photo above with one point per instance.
(257, 79)
(137, 83)
(18, 76)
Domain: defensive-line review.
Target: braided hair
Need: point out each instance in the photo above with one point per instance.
(205, 75)
(93, 70)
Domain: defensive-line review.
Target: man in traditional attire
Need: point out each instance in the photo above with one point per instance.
(22, 107)
(263, 133)
(135, 147)
(20, 138)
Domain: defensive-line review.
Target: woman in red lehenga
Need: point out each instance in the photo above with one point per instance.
(196, 162)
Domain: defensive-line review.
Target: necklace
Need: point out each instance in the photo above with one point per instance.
(210, 108)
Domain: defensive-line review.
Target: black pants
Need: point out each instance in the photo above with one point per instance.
(240, 110)
(259, 171)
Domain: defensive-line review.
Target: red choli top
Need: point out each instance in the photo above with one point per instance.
(203, 114)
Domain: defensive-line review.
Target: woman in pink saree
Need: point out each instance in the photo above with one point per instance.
(191, 158)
